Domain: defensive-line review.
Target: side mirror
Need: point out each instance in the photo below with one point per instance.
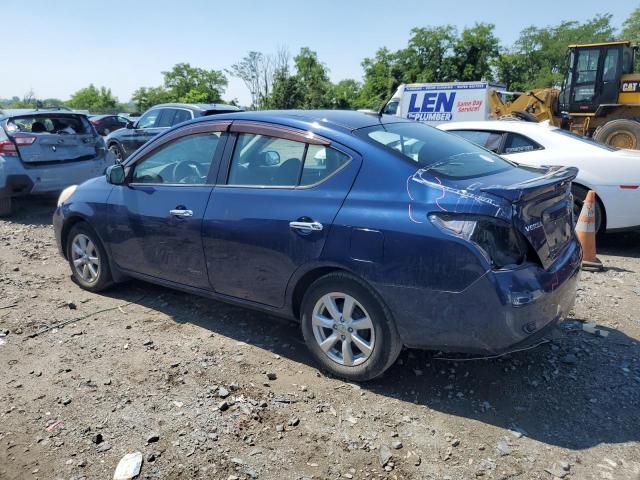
(130, 125)
(115, 174)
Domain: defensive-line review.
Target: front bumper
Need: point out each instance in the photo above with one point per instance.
(501, 310)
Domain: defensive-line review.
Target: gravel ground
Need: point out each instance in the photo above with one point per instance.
(207, 390)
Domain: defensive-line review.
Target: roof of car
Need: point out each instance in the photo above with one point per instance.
(199, 106)
(344, 119)
(15, 112)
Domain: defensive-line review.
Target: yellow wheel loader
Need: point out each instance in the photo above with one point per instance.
(599, 97)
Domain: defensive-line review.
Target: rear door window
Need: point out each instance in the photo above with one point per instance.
(181, 116)
(516, 143)
(489, 140)
(260, 160)
(320, 163)
(166, 118)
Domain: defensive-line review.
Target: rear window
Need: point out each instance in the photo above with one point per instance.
(586, 140)
(53, 124)
(440, 152)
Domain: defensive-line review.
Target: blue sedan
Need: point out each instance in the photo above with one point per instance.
(373, 232)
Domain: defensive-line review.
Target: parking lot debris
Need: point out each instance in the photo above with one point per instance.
(556, 471)
(593, 329)
(271, 376)
(128, 467)
(153, 437)
(54, 425)
(384, 455)
(67, 322)
(503, 448)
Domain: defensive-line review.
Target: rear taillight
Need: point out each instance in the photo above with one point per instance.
(497, 240)
(22, 139)
(94, 122)
(7, 147)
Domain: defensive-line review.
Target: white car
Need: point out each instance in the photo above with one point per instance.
(613, 174)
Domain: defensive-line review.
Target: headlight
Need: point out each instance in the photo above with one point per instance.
(66, 193)
(498, 241)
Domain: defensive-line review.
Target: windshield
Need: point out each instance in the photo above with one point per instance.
(580, 138)
(441, 152)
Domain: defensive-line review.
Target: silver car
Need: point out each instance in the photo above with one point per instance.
(44, 151)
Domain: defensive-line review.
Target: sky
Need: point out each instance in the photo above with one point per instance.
(58, 47)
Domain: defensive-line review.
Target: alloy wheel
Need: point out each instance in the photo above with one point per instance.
(85, 258)
(116, 151)
(343, 329)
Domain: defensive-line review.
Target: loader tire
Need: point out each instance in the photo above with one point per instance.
(620, 133)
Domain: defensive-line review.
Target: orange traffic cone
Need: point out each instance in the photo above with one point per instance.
(586, 232)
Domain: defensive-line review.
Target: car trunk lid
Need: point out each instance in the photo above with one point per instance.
(542, 210)
(52, 146)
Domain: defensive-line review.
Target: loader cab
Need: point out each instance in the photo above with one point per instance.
(592, 77)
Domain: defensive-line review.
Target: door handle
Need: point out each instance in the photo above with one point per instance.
(306, 226)
(177, 212)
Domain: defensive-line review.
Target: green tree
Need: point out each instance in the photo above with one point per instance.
(382, 75)
(314, 79)
(475, 52)
(286, 91)
(427, 57)
(631, 27)
(146, 97)
(345, 94)
(93, 99)
(539, 53)
(195, 85)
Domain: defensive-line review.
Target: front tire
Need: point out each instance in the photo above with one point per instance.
(347, 328)
(88, 259)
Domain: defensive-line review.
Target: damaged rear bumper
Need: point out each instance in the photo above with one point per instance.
(502, 310)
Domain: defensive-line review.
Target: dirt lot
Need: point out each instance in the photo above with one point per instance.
(186, 382)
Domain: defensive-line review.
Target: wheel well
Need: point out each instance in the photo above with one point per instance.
(65, 231)
(305, 282)
(604, 210)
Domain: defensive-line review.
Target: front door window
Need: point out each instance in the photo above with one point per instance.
(185, 161)
(148, 120)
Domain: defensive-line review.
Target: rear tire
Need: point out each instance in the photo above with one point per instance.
(620, 133)
(88, 259)
(579, 194)
(5, 206)
(348, 329)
